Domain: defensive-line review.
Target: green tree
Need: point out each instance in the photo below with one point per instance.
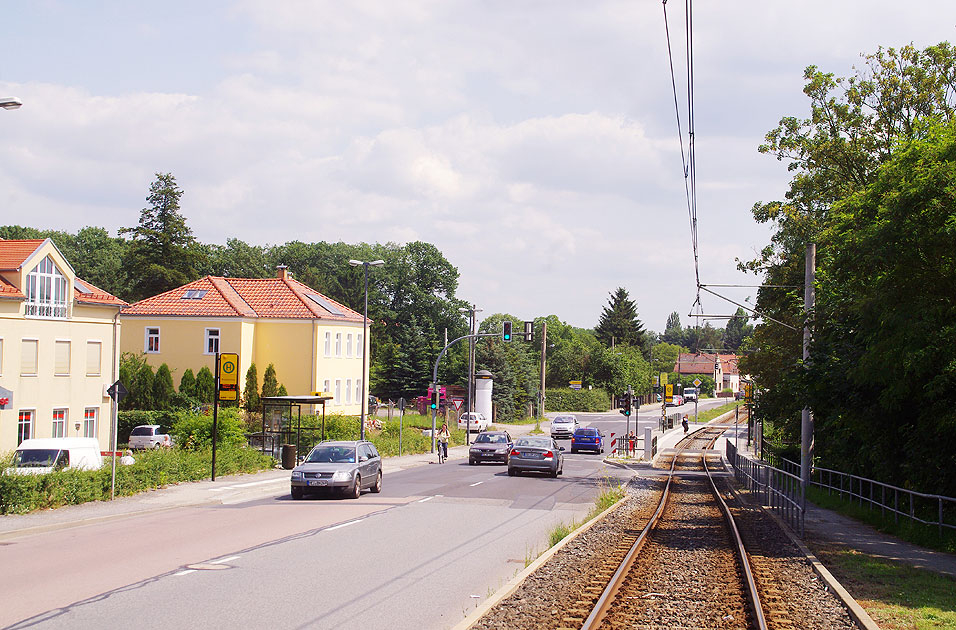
(619, 324)
(673, 333)
(205, 385)
(270, 382)
(141, 389)
(664, 358)
(163, 389)
(737, 330)
(187, 384)
(282, 391)
(162, 254)
(250, 393)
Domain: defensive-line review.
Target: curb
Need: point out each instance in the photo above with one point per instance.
(513, 584)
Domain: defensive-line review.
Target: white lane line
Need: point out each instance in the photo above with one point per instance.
(224, 560)
(248, 485)
(425, 499)
(344, 525)
(186, 571)
(476, 484)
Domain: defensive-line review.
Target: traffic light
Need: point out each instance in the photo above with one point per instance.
(627, 405)
(529, 331)
(506, 330)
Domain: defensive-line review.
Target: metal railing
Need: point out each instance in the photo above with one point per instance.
(916, 506)
(782, 491)
(625, 446)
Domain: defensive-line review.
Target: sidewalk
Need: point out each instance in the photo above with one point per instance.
(225, 489)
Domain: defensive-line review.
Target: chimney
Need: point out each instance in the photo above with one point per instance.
(282, 272)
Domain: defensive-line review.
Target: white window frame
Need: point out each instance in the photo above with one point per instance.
(30, 424)
(328, 344)
(358, 390)
(1, 356)
(338, 344)
(207, 337)
(90, 343)
(36, 356)
(64, 422)
(327, 387)
(348, 345)
(48, 295)
(69, 356)
(147, 336)
(338, 391)
(360, 346)
(348, 391)
(90, 424)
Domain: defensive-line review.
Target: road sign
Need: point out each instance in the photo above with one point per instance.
(117, 391)
(669, 393)
(228, 376)
(697, 382)
(663, 378)
(574, 384)
(458, 403)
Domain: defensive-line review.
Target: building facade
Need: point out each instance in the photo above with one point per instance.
(59, 340)
(723, 367)
(315, 343)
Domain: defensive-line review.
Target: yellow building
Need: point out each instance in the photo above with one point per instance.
(58, 340)
(315, 343)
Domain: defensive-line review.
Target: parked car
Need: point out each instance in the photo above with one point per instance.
(38, 456)
(676, 401)
(536, 454)
(349, 467)
(563, 426)
(473, 421)
(490, 446)
(740, 395)
(148, 436)
(587, 439)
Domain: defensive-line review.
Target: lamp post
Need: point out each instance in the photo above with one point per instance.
(470, 311)
(365, 341)
(10, 102)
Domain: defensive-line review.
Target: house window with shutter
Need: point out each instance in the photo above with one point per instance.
(61, 358)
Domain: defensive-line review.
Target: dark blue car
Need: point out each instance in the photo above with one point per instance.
(587, 439)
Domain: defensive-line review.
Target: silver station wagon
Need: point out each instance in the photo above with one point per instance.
(348, 467)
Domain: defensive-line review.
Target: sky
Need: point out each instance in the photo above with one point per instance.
(533, 142)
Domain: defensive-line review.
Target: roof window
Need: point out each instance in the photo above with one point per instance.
(193, 294)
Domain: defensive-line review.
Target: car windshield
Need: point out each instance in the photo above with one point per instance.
(538, 442)
(491, 438)
(564, 420)
(35, 457)
(332, 454)
(586, 432)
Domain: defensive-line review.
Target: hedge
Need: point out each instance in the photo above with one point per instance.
(153, 469)
(576, 400)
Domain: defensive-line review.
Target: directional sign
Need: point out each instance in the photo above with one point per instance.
(228, 376)
(117, 391)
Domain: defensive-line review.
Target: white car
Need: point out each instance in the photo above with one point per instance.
(148, 436)
(563, 427)
(473, 421)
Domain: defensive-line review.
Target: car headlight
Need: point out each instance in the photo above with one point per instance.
(474, 450)
(341, 475)
(297, 474)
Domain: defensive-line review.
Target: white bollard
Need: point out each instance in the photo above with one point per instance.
(648, 444)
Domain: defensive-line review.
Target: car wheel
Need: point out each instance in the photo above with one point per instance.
(512, 472)
(378, 483)
(554, 474)
(472, 462)
(156, 446)
(356, 490)
(297, 493)
(574, 450)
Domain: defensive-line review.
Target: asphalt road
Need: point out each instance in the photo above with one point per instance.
(433, 545)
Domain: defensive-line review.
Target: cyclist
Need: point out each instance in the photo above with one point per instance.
(443, 435)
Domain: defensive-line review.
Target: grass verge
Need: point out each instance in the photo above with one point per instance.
(923, 535)
(710, 414)
(896, 596)
(609, 496)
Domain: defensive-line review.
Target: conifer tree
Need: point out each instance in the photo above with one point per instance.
(250, 393)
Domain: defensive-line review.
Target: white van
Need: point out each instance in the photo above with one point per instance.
(42, 455)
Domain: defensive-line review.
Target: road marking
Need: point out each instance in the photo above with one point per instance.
(186, 571)
(249, 484)
(344, 525)
(224, 560)
(425, 499)
(476, 484)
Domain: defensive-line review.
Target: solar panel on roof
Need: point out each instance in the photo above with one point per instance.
(324, 303)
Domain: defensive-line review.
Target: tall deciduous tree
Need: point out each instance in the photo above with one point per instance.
(619, 323)
(162, 254)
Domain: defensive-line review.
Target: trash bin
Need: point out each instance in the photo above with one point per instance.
(288, 456)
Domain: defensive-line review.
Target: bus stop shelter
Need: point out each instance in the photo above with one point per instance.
(282, 430)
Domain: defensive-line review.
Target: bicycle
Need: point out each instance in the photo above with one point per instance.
(442, 452)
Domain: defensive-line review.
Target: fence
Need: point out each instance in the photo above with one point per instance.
(626, 446)
(917, 506)
(782, 491)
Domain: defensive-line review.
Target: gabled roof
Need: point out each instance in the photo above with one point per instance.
(86, 293)
(703, 363)
(213, 296)
(13, 253)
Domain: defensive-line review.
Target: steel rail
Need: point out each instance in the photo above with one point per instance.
(601, 606)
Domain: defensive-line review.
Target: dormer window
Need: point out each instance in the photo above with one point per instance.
(46, 291)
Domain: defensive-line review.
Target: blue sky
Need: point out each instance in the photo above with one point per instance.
(533, 142)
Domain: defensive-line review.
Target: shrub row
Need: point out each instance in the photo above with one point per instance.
(576, 400)
(153, 469)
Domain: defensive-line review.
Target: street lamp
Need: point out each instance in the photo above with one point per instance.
(470, 311)
(10, 102)
(356, 263)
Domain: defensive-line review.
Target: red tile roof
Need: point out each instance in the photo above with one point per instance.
(703, 363)
(13, 253)
(95, 294)
(9, 291)
(277, 298)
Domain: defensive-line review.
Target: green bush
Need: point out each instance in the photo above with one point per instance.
(153, 469)
(577, 400)
(193, 431)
